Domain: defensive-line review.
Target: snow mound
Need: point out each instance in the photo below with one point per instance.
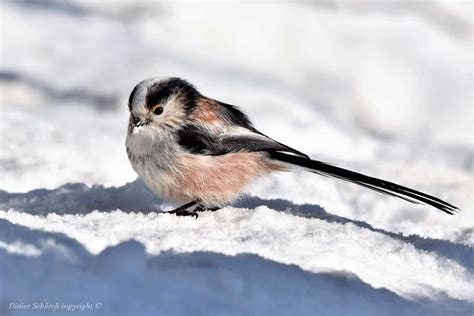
(206, 281)
(230, 256)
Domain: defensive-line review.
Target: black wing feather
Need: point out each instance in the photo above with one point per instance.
(197, 140)
(258, 143)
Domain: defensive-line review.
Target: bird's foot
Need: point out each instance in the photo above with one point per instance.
(183, 209)
(203, 209)
(179, 212)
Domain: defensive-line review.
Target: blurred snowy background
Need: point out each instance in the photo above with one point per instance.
(384, 88)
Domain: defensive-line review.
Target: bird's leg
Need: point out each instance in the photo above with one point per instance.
(183, 209)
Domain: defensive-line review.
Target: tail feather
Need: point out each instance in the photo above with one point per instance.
(379, 185)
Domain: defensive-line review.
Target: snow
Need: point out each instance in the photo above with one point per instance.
(382, 88)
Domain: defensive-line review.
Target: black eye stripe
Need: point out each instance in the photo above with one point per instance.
(156, 97)
(162, 91)
(159, 93)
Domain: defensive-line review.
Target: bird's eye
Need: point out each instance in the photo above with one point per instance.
(157, 109)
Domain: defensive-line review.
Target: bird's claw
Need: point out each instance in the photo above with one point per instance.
(183, 213)
(203, 209)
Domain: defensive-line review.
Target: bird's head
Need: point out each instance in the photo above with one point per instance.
(161, 104)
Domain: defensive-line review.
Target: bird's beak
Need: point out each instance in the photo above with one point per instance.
(137, 122)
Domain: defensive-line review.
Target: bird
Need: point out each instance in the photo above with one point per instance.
(203, 153)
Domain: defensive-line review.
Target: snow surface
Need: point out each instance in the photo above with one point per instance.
(382, 88)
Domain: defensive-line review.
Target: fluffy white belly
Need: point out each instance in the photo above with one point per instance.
(155, 179)
(153, 161)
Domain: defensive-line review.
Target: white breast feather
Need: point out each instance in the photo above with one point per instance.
(152, 159)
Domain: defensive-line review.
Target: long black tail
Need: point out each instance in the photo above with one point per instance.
(379, 185)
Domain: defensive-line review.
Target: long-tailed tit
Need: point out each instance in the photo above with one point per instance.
(203, 153)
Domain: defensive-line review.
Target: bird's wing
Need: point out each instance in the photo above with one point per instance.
(218, 128)
(198, 140)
